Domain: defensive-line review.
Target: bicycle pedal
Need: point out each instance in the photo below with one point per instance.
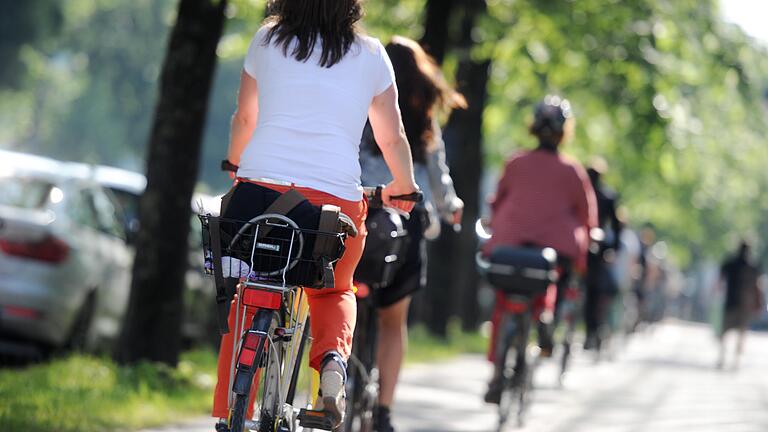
(312, 419)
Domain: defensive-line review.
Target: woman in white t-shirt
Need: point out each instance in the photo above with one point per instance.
(309, 82)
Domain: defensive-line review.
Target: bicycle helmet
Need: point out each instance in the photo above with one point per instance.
(550, 116)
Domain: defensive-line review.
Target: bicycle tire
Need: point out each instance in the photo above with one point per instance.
(362, 380)
(508, 351)
(360, 399)
(266, 376)
(525, 393)
(515, 396)
(567, 345)
(237, 423)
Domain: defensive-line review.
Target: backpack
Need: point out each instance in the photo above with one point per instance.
(385, 245)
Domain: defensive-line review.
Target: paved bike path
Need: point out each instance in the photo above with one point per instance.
(661, 381)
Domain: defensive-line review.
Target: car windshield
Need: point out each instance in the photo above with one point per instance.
(128, 202)
(25, 192)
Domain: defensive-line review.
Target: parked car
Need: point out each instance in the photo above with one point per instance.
(126, 187)
(64, 263)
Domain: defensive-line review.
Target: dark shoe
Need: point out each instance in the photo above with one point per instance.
(493, 395)
(382, 419)
(546, 342)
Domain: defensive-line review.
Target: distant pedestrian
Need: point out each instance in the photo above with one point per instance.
(600, 282)
(743, 298)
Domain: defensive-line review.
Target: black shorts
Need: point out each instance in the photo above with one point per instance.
(412, 275)
(735, 318)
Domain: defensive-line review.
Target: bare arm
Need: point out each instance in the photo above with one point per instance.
(245, 117)
(448, 204)
(387, 125)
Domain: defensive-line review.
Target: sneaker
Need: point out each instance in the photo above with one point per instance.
(382, 419)
(332, 397)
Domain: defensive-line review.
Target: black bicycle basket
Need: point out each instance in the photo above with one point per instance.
(385, 245)
(270, 248)
(521, 270)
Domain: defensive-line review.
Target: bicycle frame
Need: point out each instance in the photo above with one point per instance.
(270, 345)
(284, 345)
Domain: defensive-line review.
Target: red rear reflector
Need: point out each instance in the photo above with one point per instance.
(251, 341)
(21, 312)
(246, 357)
(49, 249)
(262, 299)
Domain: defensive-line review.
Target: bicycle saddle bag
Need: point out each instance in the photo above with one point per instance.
(522, 270)
(386, 243)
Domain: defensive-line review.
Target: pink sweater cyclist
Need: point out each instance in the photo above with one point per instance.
(546, 199)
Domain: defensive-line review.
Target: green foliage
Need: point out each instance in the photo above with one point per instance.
(91, 93)
(24, 24)
(82, 393)
(664, 90)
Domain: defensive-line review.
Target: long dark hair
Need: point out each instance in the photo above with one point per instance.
(334, 22)
(422, 91)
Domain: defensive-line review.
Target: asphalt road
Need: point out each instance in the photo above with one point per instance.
(663, 380)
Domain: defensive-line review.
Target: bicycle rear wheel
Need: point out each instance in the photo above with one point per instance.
(507, 358)
(266, 378)
(516, 372)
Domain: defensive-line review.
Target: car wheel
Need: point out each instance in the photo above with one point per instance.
(81, 328)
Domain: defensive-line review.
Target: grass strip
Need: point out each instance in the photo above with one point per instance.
(85, 393)
(424, 347)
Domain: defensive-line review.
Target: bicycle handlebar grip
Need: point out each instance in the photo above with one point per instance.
(375, 198)
(226, 165)
(416, 197)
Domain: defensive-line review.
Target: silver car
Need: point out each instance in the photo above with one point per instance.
(126, 188)
(64, 264)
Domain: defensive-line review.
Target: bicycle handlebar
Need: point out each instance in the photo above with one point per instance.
(376, 201)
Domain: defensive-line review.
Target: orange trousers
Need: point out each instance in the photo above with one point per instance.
(333, 311)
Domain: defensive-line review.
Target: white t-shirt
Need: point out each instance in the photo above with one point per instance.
(311, 117)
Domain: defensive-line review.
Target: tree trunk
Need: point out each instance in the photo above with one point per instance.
(433, 305)
(468, 159)
(152, 328)
(454, 292)
(437, 28)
